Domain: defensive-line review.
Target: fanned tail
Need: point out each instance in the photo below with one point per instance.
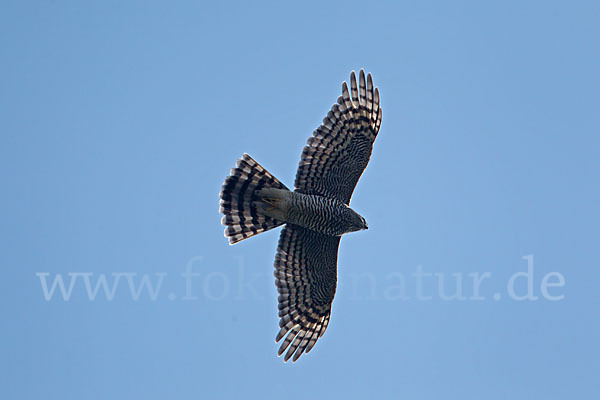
(240, 216)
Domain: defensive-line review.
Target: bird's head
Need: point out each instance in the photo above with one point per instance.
(356, 221)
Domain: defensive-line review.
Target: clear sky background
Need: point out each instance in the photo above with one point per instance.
(120, 120)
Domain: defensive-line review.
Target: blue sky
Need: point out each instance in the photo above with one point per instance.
(120, 121)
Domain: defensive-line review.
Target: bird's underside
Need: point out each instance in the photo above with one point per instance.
(315, 214)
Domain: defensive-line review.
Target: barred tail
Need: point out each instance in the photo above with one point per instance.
(241, 218)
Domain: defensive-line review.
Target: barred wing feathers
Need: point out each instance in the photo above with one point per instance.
(336, 155)
(306, 278)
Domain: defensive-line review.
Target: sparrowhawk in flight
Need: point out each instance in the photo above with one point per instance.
(315, 214)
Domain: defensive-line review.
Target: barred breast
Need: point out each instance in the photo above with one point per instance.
(322, 214)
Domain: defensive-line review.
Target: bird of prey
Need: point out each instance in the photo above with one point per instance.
(315, 214)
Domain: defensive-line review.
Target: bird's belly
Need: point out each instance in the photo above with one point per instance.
(318, 213)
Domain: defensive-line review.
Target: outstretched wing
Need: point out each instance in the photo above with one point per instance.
(336, 155)
(306, 278)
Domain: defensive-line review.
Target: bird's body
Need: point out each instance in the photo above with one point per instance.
(316, 214)
(322, 214)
